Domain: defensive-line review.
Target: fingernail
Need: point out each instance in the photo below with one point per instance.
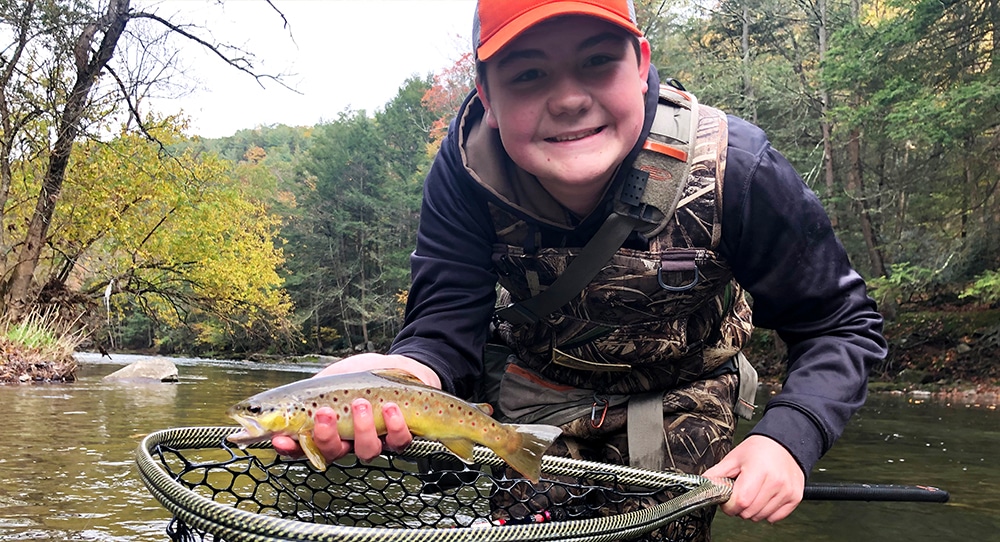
(360, 407)
(323, 417)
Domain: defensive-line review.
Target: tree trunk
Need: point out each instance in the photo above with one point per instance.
(855, 176)
(825, 127)
(8, 124)
(89, 67)
(748, 95)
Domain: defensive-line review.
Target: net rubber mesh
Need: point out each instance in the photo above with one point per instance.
(218, 492)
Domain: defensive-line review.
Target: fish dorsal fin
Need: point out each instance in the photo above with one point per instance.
(399, 376)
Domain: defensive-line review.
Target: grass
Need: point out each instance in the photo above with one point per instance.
(39, 348)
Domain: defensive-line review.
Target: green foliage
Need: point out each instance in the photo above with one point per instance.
(31, 334)
(357, 194)
(184, 238)
(38, 347)
(903, 283)
(986, 288)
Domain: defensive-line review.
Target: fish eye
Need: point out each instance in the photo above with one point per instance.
(253, 409)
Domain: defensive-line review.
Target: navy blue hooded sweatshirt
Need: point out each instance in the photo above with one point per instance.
(776, 237)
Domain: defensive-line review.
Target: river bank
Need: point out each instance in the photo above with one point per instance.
(949, 353)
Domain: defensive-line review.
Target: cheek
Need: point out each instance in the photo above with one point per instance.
(516, 128)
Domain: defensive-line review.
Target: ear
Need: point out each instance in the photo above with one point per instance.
(645, 53)
(491, 119)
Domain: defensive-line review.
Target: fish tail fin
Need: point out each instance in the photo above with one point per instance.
(526, 456)
(308, 446)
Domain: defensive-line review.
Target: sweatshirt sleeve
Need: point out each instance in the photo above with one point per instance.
(781, 245)
(453, 283)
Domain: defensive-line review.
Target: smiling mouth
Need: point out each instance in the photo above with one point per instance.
(574, 137)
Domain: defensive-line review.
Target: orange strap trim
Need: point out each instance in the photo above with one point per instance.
(528, 375)
(663, 148)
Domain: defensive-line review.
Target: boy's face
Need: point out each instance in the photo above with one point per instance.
(568, 98)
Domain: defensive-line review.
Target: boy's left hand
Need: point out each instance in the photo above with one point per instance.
(769, 482)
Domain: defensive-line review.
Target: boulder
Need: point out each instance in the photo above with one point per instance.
(152, 369)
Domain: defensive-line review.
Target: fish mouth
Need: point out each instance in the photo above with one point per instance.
(251, 432)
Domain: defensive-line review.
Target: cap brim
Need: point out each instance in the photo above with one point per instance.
(526, 20)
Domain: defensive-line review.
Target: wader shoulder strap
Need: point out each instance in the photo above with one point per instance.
(595, 254)
(641, 205)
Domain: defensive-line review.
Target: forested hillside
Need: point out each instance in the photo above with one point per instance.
(288, 240)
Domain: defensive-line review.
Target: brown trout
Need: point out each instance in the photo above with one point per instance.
(429, 413)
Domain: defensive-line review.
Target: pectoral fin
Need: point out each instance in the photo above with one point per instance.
(312, 451)
(460, 447)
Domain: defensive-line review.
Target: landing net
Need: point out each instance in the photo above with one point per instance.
(218, 492)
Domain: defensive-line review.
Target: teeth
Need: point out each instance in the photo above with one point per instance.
(574, 137)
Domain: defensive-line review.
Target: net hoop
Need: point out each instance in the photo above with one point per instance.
(232, 524)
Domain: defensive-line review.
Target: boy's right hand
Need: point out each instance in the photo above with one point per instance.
(366, 443)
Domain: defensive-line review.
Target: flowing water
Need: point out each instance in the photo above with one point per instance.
(67, 470)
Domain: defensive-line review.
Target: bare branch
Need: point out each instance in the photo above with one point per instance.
(133, 111)
(242, 64)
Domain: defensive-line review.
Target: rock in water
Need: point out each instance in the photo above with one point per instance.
(158, 369)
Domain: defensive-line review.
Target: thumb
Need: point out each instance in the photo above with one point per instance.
(727, 468)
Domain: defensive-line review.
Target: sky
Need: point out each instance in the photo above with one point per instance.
(338, 54)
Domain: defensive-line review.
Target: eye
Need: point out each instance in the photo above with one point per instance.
(527, 76)
(253, 409)
(599, 60)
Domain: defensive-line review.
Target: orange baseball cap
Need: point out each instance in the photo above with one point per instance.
(498, 22)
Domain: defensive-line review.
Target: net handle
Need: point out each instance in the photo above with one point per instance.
(873, 492)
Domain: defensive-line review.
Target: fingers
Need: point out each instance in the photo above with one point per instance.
(367, 445)
(397, 434)
(286, 446)
(327, 436)
(768, 485)
(771, 500)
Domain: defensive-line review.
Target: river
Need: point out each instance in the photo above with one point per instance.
(67, 470)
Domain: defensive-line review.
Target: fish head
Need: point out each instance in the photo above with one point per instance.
(259, 421)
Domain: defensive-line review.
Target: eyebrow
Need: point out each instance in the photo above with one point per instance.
(529, 54)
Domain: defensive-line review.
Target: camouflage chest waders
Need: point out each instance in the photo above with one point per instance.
(653, 337)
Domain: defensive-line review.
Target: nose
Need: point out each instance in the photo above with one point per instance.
(569, 97)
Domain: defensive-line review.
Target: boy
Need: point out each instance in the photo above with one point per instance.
(532, 167)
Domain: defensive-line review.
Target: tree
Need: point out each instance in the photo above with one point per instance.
(57, 61)
(357, 212)
(186, 239)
